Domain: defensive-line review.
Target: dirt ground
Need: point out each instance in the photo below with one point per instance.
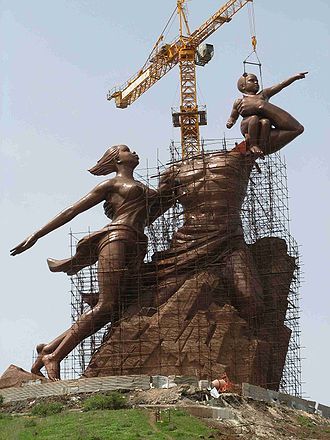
(252, 419)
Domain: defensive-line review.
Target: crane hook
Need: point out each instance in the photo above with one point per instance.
(254, 42)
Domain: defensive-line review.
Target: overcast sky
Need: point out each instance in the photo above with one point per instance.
(58, 59)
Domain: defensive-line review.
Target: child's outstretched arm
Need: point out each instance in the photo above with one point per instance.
(271, 91)
(233, 115)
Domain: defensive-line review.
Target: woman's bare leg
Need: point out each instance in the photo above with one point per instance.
(43, 349)
(111, 274)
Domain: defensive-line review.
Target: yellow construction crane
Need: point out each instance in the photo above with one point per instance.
(187, 50)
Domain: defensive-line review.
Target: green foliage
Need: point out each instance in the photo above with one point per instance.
(123, 424)
(112, 400)
(30, 423)
(4, 416)
(305, 421)
(47, 409)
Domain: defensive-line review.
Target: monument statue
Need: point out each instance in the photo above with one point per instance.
(202, 307)
(256, 126)
(119, 248)
(208, 309)
(211, 189)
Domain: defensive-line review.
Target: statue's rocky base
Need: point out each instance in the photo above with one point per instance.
(15, 377)
(194, 333)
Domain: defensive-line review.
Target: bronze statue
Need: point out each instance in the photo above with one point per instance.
(256, 126)
(211, 189)
(119, 248)
(206, 253)
(216, 304)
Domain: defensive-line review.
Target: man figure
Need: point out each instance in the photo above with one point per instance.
(211, 189)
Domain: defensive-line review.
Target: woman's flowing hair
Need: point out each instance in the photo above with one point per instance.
(107, 163)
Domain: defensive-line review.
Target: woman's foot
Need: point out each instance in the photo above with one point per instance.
(52, 367)
(38, 364)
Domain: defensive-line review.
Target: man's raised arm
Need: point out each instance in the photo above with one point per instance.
(166, 193)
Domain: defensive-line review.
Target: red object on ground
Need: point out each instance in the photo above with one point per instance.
(223, 384)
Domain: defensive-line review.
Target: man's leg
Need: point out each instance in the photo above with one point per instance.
(286, 127)
(242, 277)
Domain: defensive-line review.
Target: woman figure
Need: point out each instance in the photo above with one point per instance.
(119, 248)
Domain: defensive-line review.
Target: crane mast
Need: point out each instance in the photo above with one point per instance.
(188, 116)
(163, 58)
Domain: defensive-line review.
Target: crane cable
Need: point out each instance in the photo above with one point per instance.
(252, 24)
(160, 38)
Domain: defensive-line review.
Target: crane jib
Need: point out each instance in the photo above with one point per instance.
(135, 83)
(167, 56)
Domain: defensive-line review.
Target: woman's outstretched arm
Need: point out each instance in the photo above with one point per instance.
(88, 201)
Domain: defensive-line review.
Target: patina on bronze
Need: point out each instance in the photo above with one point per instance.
(207, 252)
(258, 123)
(119, 248)
(210, 310)
(211, 189)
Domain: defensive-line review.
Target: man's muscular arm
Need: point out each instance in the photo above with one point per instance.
(166, 193)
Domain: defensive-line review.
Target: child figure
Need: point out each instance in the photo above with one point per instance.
(256, 126)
